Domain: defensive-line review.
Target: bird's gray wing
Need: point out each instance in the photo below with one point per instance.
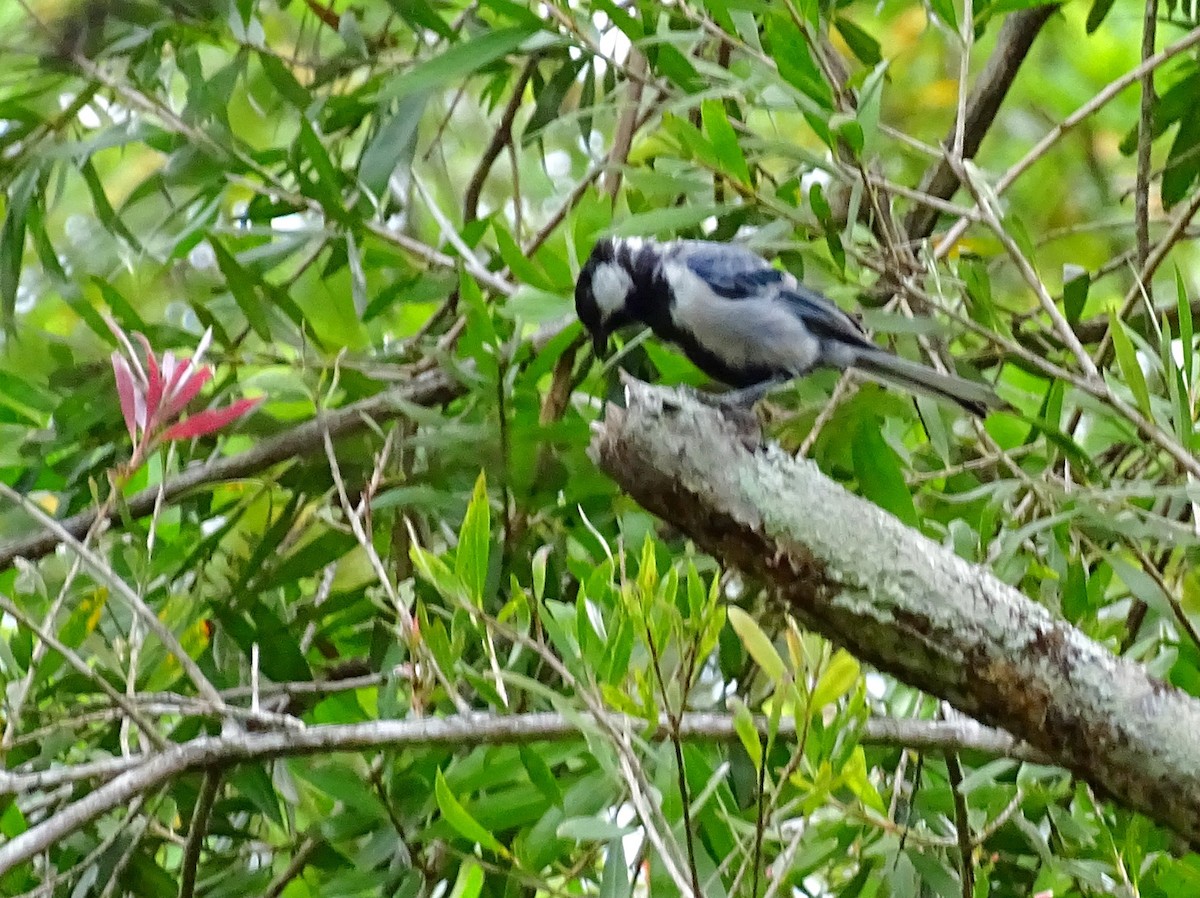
(736, 273)
(824, 318)
(731, 272)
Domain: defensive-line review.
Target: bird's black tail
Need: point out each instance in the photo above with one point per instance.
(976, 398)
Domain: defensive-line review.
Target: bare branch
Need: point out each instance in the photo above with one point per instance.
(134, 775)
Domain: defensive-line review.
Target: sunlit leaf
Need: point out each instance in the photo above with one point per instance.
(757, 644)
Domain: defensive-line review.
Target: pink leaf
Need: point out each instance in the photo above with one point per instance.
(210, 420)
(133, 402)
(154, 381)
(178, 398)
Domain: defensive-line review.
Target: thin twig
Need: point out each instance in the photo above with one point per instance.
(1141, 197)
(197, 831)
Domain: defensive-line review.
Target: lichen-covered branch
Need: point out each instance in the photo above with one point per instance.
(854, 573)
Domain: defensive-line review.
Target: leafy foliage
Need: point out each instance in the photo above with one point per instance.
(358, 199)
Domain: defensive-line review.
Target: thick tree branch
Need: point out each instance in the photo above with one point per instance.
(903, 603)
(1016, 36)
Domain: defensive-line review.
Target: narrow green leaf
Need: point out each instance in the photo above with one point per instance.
(790, 52)
(724, 140)
(879, 476)
(1097, 13)
(461, 820)
(1127, 359)
(474, 542)
(243, 287)
(393, 146)
(758, 644)
(540, 774)
(590, 829)
(747, 733)
(1183, 161)
(1076, 282)
(469, 883)
(104, 209)
(284, 81)
(836, 680)
(944, 10)
(12, 240)
(614, 882)
(436, 572)
(324, 184)
(550, 98)
(422, 14)
(861, 44)
(1186, 335)
(457, 62)
(665, 222)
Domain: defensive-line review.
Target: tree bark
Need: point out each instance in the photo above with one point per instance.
(901, 602)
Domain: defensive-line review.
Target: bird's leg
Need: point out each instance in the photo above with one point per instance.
(748, 396)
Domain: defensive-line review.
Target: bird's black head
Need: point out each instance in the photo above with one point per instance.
(604, 290)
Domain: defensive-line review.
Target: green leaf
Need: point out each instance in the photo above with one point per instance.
(790, 51)
(1097, 13)
(474, 542)
(1183, 161)
(1127, 359)
(469, 883)
(590, 829)
(393, 146)
(879, 476)
(421, 14)
(861, 44)
(1186, 335)
(438, 574)
(462, 822)
(747, 732)
(724, 140)
(944, 10)
(614, 881)
(104, 209)
(1076, 283)
(758, 644)
(540, 774)
(284, 81)
(836, 680)
(550, 98)
(665, 222)
(243, 287)
(456, 63)
(12, 240)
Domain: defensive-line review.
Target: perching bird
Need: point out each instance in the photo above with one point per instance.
(740, 320)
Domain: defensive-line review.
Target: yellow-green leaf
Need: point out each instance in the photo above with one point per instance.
(474, 540)
(758, 644)
(838, 679)
(747, 732)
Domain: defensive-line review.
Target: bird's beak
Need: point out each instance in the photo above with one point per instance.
(600, 343)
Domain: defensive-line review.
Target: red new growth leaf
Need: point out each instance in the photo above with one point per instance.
(154, 380)
(210, 421)
(133, 403)
(190, 382)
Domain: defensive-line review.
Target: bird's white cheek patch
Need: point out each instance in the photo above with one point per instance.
(611, 285)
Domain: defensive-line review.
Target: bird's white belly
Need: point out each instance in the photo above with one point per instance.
(759, 333)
